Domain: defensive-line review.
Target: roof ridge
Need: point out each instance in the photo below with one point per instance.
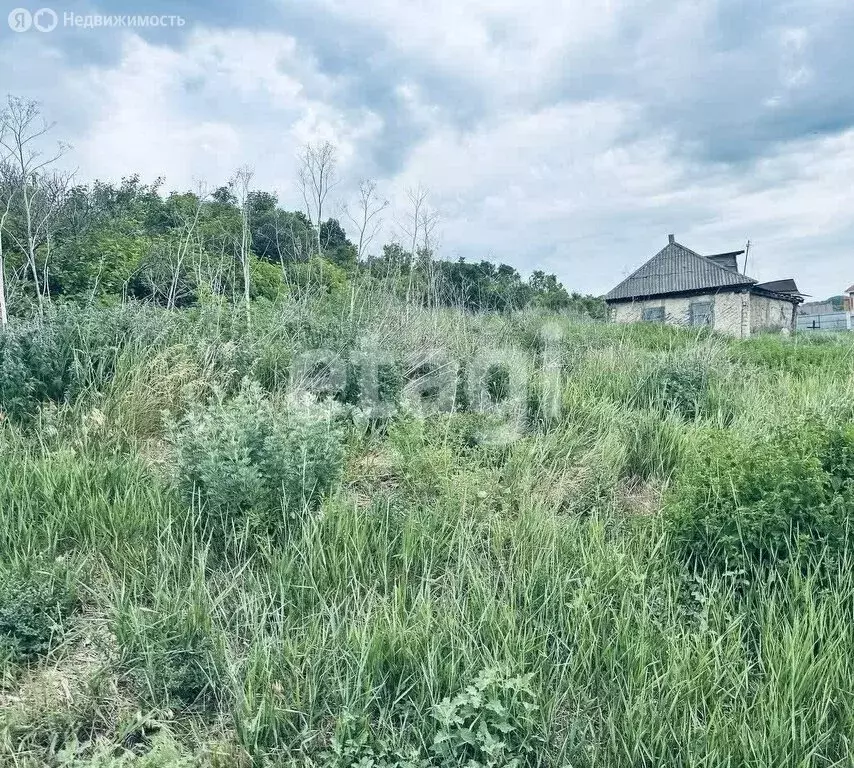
(652, 258)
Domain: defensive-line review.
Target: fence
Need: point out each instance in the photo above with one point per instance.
(829, 321)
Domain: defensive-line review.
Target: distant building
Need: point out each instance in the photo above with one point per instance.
(680, 287)
(834, 314)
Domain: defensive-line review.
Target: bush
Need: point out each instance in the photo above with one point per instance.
(34, 365)
(34, 600)
(250, 458)
(375, 388)
(318, 274)
(266, 280)
(57, 358)
(743, 502)
(679, 383)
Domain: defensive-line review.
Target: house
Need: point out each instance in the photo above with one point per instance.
(681, 287)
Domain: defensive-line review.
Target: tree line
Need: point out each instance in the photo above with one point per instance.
(107, 242)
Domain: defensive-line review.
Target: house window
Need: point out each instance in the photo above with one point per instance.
(653, 315)
(701, 313)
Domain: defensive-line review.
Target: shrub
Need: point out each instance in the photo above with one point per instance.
(35, 599)
(34, 365)
(248, 459)
(679, 383)
(318, 274)
(266, 280)
(55, 359)
(374, 388)
(747, 501)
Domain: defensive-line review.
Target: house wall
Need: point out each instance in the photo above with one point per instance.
(731, 311)
(769, 314)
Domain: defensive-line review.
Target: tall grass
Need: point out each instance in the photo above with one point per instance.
(452, 601)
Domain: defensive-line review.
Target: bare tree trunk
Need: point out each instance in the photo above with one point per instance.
(42, 193)
(412, 227)
(4, 314)
(316, 178)
(366, 216)
(429, 221)
(188, 228)
(242, 181)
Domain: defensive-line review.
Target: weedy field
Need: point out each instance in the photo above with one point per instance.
(484, 540)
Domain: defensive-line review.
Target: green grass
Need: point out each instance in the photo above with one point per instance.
(455, 598)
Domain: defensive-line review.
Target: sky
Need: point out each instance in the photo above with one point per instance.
(570, 136)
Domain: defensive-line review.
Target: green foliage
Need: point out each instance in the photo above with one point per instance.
(34, 365)
(679, 383)
(36, 598)
(802, 355)
(163, 752)
(440, 551)
(110, 242)
(170, 651)
(375, 388)
(741, 502)
(257, 461)
(491, 723)
(318, 274)
(337, 249)
(59, 357)
(99, 262)
(354, 745)
(266, 280)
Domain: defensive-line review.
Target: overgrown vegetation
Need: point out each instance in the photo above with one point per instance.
(62, 241)
(220, 547)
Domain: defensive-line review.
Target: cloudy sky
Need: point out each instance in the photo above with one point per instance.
(564, 135)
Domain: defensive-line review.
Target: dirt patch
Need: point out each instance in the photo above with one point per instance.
(639, 497)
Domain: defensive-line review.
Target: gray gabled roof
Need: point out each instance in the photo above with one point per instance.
(675, 269)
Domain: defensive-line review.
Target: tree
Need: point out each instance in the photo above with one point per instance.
(336, 247)
(317, 176)
(365, 215)
(241, 181)
(186, 208)
(263, 209)
(279, 236)
(7, 193)
(41, 191)
(411, 227)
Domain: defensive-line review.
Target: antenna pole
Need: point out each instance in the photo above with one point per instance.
(746, 256)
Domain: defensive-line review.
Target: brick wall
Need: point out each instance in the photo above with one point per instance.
(731, 311)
